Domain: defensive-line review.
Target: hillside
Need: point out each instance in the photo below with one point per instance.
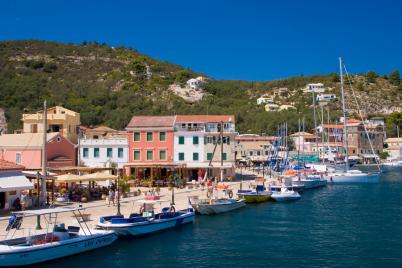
(108, 85)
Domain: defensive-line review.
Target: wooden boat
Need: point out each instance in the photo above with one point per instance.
(216, 206)
(58, 243)
(147, 222)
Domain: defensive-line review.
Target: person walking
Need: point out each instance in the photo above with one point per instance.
(111, 196)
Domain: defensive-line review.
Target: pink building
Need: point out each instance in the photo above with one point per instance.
(26, 149)
(150, 142)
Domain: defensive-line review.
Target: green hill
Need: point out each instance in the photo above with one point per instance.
(108, 85)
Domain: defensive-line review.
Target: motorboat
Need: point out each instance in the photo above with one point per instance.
(216, 206)
(353, 176)
(60, 241)
(285, 195)
(259, 195)
(393, 163)
(147, 221)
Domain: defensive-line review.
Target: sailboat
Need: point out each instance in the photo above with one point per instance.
(350, 176)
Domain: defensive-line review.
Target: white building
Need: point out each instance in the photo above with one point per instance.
(103, 147)
(264, 100)
(271, 107)
(317, 88)
(188, 143)
(326, 97)
(195, 83)
(394, 148)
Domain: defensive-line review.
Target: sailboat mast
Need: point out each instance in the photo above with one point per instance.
(345, 129)
(315, 124)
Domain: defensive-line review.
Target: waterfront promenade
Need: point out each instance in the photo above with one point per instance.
(128, 205)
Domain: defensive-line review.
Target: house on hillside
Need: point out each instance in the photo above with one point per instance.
(325, 97)
(264, 100)
(103, 147)
(315, 87)
(195, 83)
(271, 107)
(26, 149)
(59, 119)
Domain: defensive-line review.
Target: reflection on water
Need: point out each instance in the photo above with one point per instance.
(336, 226)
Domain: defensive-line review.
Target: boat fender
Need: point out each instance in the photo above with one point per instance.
(172, 209)
(141, 210)
(230, 194)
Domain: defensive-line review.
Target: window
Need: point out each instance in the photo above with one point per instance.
(109, 152)
(85, 152)
(181, 156)
(162, 136)
(150, 136)
(209, 156)
(18, 158)
(120, 152)
(137, 155)
(162, 155)
(34, 128)
(195, 157)
(150, 155)
(181, 139)
(224, 156)
(195, 139)
(137, 136)
(96, 152)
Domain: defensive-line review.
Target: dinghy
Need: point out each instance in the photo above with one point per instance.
(285, 195)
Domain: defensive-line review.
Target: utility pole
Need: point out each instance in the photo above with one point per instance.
(44, 162)
(119, 171)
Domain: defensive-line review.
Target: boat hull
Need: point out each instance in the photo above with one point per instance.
(208, 209)
(354, 178)
(311, 184)
(255, 198)
(25, 255)
(285, 197)
(150, 226)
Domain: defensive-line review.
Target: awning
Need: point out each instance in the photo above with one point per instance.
(13, 181)
(213, 165)
(370, 156)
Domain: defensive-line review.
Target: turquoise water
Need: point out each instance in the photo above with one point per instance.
(336, 226)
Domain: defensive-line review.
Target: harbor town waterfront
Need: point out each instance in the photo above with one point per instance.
(200, 134)
(336, 226)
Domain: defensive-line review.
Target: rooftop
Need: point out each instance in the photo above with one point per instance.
(25, 140)
(6, 165)
(305, 135)
(205, 118)
(151, 121)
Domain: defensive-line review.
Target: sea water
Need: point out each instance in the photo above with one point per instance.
(356, 225)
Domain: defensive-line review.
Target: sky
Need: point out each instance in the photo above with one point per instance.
(249, 39)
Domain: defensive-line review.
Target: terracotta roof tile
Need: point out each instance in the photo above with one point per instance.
(6, 165)
(205, 118)
(151, 121)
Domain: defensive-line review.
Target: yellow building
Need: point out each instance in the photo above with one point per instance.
(59, 119)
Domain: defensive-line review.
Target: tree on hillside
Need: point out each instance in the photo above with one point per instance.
(391, 123)
(371, 76)
(395, 77)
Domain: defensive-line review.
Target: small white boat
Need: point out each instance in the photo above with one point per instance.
(353, 176)
(216, 206)
(147, 222)
(393, 164)
(58, 243)
(285, 195)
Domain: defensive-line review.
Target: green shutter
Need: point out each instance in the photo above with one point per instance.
(85, 152)
(150, 155)
(195, 156)
(181, 139)
(224, 156)
(162, 136)
(120, 152)
(181, 156)
(137, 155)
(195, 139)
(96, 152)
(162, 155)
(137, 136)
(109, 152)
(209, 156)
(149, 136)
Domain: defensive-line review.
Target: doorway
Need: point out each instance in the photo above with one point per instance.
(2, 200)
